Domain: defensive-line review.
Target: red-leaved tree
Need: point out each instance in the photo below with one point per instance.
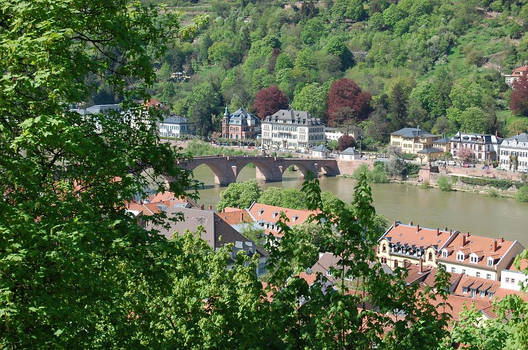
(345, 141)
(466, 155)
(346, 95)
(519, 97)
(269, 101)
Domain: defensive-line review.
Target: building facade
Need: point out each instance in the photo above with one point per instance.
(413, 244)
(478, 256)
(412, 140)
(485, 147)
(516, 74)
(240, 125)
(290, 129)
(175, 126)
(514, 278)
(513, 153)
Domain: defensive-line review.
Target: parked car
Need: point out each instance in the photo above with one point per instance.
(451, 163)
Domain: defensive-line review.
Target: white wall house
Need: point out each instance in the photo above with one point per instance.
(175, 126)
(512, 278)
(484, 147)
(350, 154)
(478, 256)
(513, 153)
(289, 129)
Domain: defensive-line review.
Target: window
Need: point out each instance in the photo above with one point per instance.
(507, 280)
(383, 248)
(430, 256)
(488, 276)
(460, 256)
(275, 214)
(473, 258)
(490, 261)
(453, 270)
(395, 263)
(463, 270)
(444, 253)
(478, 274)
(513, 280)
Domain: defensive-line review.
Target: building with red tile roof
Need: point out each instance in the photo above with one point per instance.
(478, 256)
(268, 216)
(403, 243)
(516, 74)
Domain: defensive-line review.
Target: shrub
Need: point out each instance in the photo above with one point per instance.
(378, 174)
(362, 169)
(493, 193)
(425, 185)
(444, 184)
(522, 194)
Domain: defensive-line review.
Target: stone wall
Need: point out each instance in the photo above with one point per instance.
(347, 167)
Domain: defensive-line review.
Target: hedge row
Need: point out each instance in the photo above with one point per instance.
(497, 183)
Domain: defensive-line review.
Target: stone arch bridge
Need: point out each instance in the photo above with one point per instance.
(268, 169)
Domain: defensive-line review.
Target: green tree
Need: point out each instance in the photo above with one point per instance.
(522, 194)
(271, 196)
(444, 184)
(474, 120)
(202, 104)
(311, 98)
(71, 256)
(239, 195)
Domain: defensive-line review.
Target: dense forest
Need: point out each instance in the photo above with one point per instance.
(436, 64)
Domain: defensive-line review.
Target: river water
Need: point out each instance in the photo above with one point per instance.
(466, 212)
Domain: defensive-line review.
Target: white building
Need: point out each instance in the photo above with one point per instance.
(513, 278)
(485, 147)
(289, 129)
(478, 256)
(175, 126)
(320, 151)
(333, 134)
(516, 74)
(350, 154)
(513, 153)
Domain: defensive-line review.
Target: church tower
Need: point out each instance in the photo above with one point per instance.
(225, 124)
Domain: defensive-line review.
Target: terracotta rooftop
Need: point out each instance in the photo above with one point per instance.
(520, 70)
(235, 217)
(270, 214)
(483, 247)
(417, 235)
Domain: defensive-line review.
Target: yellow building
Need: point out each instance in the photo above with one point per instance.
(412, 140)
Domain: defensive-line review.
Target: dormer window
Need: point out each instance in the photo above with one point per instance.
(444, 253)
(295, 218)
(261, 211)
(473, 258)
(274, 215)
(460, 256)
(490, 261)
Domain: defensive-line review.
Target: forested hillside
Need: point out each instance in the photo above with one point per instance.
(436, 64)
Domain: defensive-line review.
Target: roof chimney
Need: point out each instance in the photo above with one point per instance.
(395, 224)
(437, 231)
(411, 223)
(502, 239)
(495, 245)
(464, 240)
(421, 265)
(417, 228)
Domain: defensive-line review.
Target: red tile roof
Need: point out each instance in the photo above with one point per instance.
(520, 70)
(270, 214)
(483, 247)
(417, 235)
(235, 217)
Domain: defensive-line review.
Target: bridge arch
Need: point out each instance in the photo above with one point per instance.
(222, 176)
(265, 171)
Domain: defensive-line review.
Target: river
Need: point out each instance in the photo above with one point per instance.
(466, 212)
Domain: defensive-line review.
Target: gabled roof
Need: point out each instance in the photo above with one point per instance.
(412, 132)
(417, 235)
(270, 214)
(175, 119)
(483, 247)
(518, 138)
(350, 151)
(320, 148)
(442, 141)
